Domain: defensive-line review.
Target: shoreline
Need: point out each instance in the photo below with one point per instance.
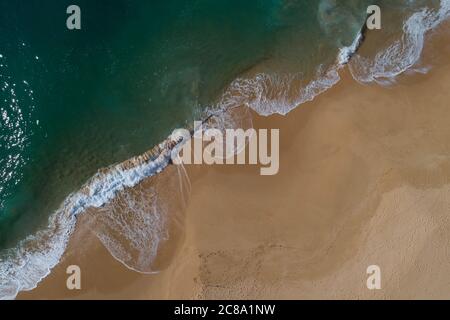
(257, 249)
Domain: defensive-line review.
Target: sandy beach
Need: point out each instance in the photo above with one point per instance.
(364, 180)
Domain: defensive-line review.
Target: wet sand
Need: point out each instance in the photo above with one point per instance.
(364, 180)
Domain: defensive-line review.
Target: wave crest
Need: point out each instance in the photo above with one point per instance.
(23, 267)
(403, 53)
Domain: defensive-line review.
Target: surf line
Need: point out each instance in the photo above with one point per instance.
(347, 53)
(191, 310)
(165, 150)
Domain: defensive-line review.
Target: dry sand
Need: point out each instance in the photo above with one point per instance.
(364, 180)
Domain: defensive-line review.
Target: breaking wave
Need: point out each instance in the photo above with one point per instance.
(403, 53)
(23, 267)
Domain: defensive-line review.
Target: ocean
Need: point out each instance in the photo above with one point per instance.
(75, 101)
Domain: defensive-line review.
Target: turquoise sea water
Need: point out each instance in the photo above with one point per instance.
(72, 102)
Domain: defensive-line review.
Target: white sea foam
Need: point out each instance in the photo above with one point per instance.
(23, 267)
(276, 94)
(279, 94)
(269, 94)
(136, 224)
(403, 53)
(346, 53)
(133, 228)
